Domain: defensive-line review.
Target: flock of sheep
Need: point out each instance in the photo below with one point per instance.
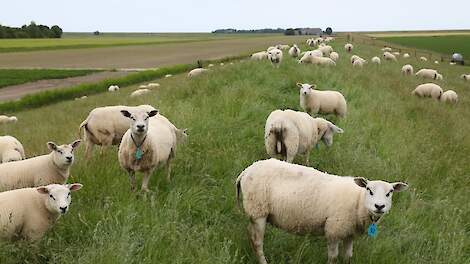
(296, 198)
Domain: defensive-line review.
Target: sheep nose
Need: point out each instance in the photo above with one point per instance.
(69, 158)
(63, 209)
(140, 127)
(379, 207)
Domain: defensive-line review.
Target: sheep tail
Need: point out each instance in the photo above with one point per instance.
(82, 125)
(238, 189)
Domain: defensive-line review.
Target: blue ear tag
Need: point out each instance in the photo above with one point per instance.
(372, 230)
(138, 154)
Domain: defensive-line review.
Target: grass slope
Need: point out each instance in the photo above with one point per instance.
(388, 135)
(441, 44)
(18, 76)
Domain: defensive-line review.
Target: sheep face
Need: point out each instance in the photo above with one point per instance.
(274, 55)
(62, 155)
(59, 197)
(378, 196)
(332, 129)
(305, 88)
(139, 121)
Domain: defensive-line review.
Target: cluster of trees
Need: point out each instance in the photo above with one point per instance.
(264, 30)
(31, 31)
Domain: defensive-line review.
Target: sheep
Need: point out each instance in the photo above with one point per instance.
(375, 60)
(428, 90)
(406, 56)
(328, 102)
(294, 51)
(303, 200)
(105, 126)
(428, 74)
(387, 49)
(449, 96)
(465, 77)
(196, 72)
(423, 58)
(262, 55)
(334, 56)
(168, 75)
(139, 92)
(282, 47)
(396, 53)
(389, 56)
(452, 63)
(81, 98)
(439, 77)
(38, 211)
(348, 47)
(310, 42)
(221, 64)
(353, 58)
(359, 62)
(147, 144)
(275, 56)
(210, 65)
(11, 149)
(307, 56)
(326, 50)
(113, 88)
(407, 69)
(150, 85)
(436, 62)
(8, 119)
(142, 86)
(41, 170)
(290, 133)
(318, 61)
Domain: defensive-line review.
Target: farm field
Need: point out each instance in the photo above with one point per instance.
(15, 76)
(429, 33)
(442, 44)
(194, 218)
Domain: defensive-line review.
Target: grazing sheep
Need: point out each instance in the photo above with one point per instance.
(168, 75)
(423, 58)
(275, 56)
(148, 144)
(11, 149)
(359, 62)
(150, 85)
(354, 57)
(307, 56)
(406, 56)
(452, 63)
(428, 90)
(303, 200)
(221, 64)
(436, 62)
(439, 77)
(294, 52)
(113, 88)
(389, 56)
(348, 47)
(41, 170)
(328, 102)
(8, 119)
(334, 56)
(262, 55)
(428, 74)
(290, 133)
(38, 211)
(105, 126)
(465, 77)
(196, 72)
(140, 92)
(210, 65)
(387, 49)
(319, 61)
(449, 96)
(310, 42)
(282, 46)
(326, 50)
(142, 86)
(407, 69)
(375, 60)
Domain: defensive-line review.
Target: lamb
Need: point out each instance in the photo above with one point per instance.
(353, 58)
(113, 88)
(318, 61)
(294, 52)
(139, 92)
(275, 56)
(423, 58)
(428, 90)
(428, 74)
(375, 60)
(262, 55)
(348, 47)
(303, 200)
(290, 133)
(406, 55)
(196, 72)
(147, 145)
(41, 170)
(449, 96)
(359, 62)
(8, 119)
(326, 50)
(105, 126)
(407, 69)
(11, 149)
(389, 56)
(328, 102)
(465, 77)
(307, 56)
(334, 56)
(37, 212)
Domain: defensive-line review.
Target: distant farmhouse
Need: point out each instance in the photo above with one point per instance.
(304, 31)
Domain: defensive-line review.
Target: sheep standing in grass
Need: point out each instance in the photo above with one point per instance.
(139, 92)
(303, 200)
(423, 58)
(387, 49)
(8, 119)
(334, 56)
(428, 90)
(406, 56)
(407, 69)
(147, 145)
(262, 55)
(375, 60)
(449, 96)
(326, 50)
(10, 149)
(348, 47)
(275, 56)
(328, 102)
(359, 62)
(38, 210)
(389, 56)
(105, 126)
(151, 85)
(290, 133)
(428, 74)
(42, 170)
(318, 61)
(294, 51)
(465, 77)
(113, 88)
(308, 55)
(196, 72)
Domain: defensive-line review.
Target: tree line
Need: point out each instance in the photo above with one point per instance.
(31, 31)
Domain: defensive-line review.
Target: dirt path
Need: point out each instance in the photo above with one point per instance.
(17, 91)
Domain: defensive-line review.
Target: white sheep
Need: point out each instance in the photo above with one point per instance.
(275, 56)
(39, 209)
(387, 49)
(105, 126)
(282, 46)
(359, 62)
(307, 56)
(113, 88)
(11, 149)
(439, 77)
(389, 56)
(168, 75)
(196, 72)
(428, 90)
(465, 77)
(328, 102)
(428, 74)
(407, 69)
(449, 96)
(142, 86)
(406, 56)
(290, 133)
(354, 57)
(262, 55)
(348, 47)
(436, 62)
(396, 53)
(326, 50)
(294, 51)
(319, 61)
(8, 119)
(334, 56)
(41, 170)
(153, 85)
(148, 144)
(375, 60)
(423, 58)
(210, 65)
(303, 200)
(140, 92)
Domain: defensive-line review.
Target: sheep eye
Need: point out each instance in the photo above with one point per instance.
(388, 194)
(370, 192)
(50, 195)
(60, 151)
(68, 194)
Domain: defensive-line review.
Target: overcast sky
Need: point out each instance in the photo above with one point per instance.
(207, 15)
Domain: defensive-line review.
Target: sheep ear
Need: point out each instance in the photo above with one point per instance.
(125, 113)
(399, 186)
(42, 190)
(76, 143)
(361, 182)
(152, 113)
(74, 186)
(185, 131)
(299, 85)
(335, 129)
(51, 146)
(313, 86)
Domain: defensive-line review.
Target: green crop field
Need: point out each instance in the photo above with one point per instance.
(442, 44)
(18, 76)
(389, 135)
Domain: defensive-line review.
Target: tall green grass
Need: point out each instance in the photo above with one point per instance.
(389, 135)
(442, 44)
(19, 76)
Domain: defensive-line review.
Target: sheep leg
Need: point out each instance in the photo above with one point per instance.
(307, 157)
(132, 179)
(88, 149)
(348, 249)
(332, 251)
(168, 170)
(145, 181)
(256, 231)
